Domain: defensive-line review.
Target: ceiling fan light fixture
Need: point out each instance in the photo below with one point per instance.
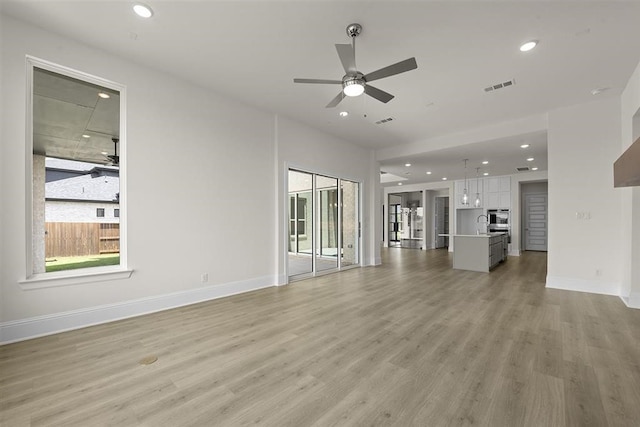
(143, 10)
(354, 87)
(526, 47)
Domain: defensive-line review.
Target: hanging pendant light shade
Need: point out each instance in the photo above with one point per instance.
(477, 202)
(465, 195)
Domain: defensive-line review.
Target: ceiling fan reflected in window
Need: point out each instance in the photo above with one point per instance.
(114, 159)
(355, 83)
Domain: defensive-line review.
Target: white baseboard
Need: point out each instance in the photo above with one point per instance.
(632, 301)
(20, 330)
(514, 252)
(583, 285)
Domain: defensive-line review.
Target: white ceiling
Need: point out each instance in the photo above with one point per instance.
(252, 50)
(503, 157)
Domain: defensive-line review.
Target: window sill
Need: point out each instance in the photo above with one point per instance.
(74, 277)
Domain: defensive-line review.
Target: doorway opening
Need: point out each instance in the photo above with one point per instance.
(441, 219)
(535, 216)
(406, 220)
(324, 224)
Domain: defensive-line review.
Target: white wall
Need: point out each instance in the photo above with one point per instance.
(584, 141)
(304, 149)
(630, 212)
(226, 230)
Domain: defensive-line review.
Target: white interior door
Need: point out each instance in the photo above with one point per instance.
(535, 222)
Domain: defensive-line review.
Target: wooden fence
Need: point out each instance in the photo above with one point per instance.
(80, 239)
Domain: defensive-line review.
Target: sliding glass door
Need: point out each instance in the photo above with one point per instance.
(327, 242)
(324, 224)
(350, 223)
(300, 223)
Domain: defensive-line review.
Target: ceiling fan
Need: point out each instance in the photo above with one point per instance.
(114, 159)
(354, 83)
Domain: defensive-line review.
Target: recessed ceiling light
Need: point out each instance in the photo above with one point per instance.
(486, 174)
(526, 47)
(86, 136)
(399, 183)
(486, 162)
(343, 113)
(534, 169)
(530, 159)
(444, 178)
(407, 164)
(428, 172)
(142, 10)
(103, 95)
(524, 146)
(104, 153)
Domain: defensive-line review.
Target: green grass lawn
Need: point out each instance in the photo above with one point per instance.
(73, 262)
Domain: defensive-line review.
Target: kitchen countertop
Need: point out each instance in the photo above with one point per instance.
(479, 235)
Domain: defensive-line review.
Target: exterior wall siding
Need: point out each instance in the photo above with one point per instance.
(62, 211)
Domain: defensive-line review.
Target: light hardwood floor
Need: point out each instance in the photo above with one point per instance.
(411, 342)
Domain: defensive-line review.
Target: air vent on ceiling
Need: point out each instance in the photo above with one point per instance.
(383, 172)
(500, 85)
(523, 169)
(387, 120)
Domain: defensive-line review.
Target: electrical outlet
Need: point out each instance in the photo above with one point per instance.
(204, 278)
(598, 272)
(583, 215)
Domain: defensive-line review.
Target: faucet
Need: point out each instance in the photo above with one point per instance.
(478, 222)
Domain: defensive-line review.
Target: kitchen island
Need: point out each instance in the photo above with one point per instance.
(479, 252)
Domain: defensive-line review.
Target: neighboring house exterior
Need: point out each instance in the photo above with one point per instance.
(81, 192)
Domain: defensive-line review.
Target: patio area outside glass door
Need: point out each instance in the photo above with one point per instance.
(327, 225)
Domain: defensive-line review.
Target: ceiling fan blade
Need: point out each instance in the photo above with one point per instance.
(348, 57)
(319, 81)
(335, 101)
(391, 70)
(378, 94)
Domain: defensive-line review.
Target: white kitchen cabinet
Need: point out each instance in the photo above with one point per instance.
(505, 183)
(493, 200)
(478, 252)
(493, 184)
(498, 192)
(505, 200)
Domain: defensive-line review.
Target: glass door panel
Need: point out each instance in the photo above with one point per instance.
(350, 223)
(300, 223)
(327, 227)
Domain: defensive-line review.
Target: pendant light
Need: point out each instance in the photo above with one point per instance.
(477, 202)
(465, 195)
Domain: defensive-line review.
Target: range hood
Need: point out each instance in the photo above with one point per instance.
(626, 170)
